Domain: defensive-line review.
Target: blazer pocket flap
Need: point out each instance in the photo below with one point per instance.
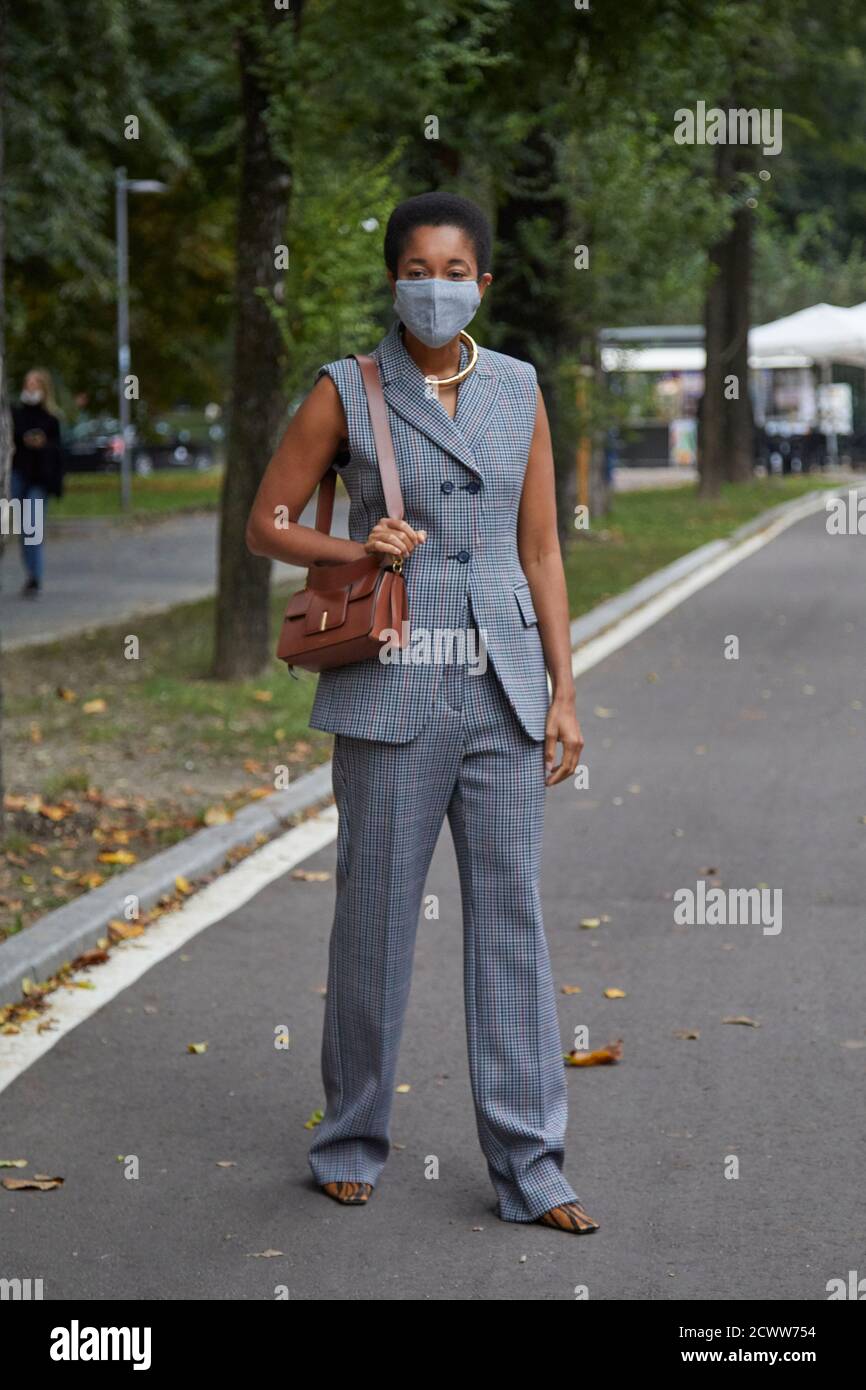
(523, 595)
(325, 610)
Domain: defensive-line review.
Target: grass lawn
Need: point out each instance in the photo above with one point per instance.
(98, 494)
(109, 756)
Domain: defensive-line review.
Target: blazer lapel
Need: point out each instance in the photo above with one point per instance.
(405, 390)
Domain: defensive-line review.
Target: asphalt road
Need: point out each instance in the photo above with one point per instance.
(753, 767)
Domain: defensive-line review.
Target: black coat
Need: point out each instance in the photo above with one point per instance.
(38, 452)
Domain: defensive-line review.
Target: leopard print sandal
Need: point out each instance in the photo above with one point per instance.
(570, 1216)
(350, 1194)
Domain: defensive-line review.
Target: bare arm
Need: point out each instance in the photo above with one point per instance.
(541, 560)
(314, 434)
(312, 438)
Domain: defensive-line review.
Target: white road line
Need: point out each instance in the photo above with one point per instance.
(129, 960)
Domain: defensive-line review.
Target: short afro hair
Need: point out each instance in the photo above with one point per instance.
(438, 210)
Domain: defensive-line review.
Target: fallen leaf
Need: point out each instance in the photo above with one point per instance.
(198, 1048)
(94, 706)
(315, 1119)
(263, 696)
(614, 993)
(225, 1163)
(311, 875)
(91, 880)
(124, 931)
(13, 1162)
(92, 957)
(571, 989)
(117, 856)
(749, 1022)
(590, 922)
(602, 712)
(65, 694)
(686, 1033)
(182, 884)
(217, 815)
(38, 1184)
(601, 1057)
(402, 1088)
(264, 1254)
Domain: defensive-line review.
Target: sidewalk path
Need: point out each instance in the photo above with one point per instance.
(102, 574)
(752, 768)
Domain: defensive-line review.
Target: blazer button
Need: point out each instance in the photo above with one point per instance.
(448, 486)
(463, 556)
(473, 487)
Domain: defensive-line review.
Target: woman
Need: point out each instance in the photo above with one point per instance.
(37, 468)
(417, 741)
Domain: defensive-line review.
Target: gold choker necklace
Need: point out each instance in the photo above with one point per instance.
(455, 380)
(460, 375)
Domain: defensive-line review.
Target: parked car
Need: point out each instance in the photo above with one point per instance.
(96, 446)
(93, 446)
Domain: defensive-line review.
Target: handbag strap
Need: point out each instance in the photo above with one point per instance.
(384, 451)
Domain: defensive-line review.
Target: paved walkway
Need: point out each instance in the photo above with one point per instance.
(102, 573)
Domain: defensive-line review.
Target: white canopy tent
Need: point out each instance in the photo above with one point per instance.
(821, 334)
(816, 336)
(813, 337)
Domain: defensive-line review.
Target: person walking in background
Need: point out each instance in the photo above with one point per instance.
(37, 468)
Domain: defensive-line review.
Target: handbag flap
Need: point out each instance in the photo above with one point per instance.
(325, 610)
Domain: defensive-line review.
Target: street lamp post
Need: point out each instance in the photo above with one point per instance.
(123, 186)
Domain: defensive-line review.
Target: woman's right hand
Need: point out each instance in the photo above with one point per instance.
(392, 537)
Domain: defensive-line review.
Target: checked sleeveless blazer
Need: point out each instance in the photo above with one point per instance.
(461, 481)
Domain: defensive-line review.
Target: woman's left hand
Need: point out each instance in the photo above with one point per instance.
(562, 727)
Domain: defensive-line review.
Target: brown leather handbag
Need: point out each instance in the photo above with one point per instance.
(343, 610)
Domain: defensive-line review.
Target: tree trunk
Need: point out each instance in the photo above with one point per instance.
(712, 467)
(537, 325)
(738, 412)
(726, 449)
(257, 405)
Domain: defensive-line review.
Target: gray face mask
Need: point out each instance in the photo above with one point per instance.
(436, 310)
(31, 397)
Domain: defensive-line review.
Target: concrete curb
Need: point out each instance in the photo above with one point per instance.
(38, 951)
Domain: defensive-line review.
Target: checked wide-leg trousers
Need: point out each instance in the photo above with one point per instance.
(474, 763)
